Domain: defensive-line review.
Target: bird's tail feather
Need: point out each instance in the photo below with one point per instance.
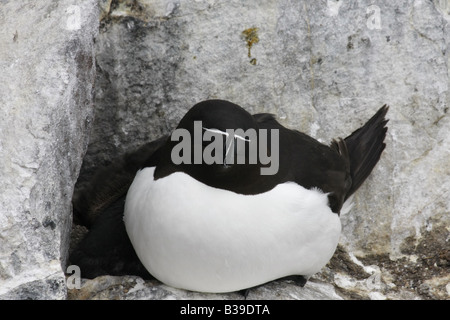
(365, 146)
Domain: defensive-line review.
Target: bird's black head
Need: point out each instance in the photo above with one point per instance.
(213, 143)
(218, 114)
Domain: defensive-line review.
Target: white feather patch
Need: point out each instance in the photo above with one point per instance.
(195, 237)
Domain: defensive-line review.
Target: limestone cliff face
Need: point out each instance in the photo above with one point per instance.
(46, 100)
(322, 67)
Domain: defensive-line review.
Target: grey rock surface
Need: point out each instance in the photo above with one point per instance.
(46, 94)
(321, 67)
(134, 288)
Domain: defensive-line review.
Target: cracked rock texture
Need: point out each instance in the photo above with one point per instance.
(46, 95)
(322, 67)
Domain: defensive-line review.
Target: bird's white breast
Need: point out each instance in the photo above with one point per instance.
(196, 237)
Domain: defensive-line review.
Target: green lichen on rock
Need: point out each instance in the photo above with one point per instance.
(251, 37)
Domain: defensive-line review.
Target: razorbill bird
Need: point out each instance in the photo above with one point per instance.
(224, 225)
